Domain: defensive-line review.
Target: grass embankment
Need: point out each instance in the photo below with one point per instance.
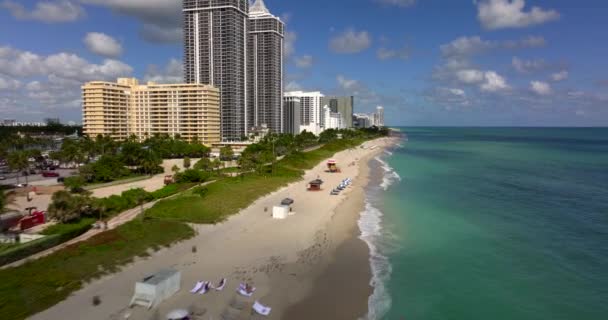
(230, 195)
(42, 283)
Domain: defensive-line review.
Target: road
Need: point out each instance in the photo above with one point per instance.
(35, 179)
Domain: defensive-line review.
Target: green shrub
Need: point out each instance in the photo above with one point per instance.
(192, 175)
(200, 191)
(27, 249)
(171, 189)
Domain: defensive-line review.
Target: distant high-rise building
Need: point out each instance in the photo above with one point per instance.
(342, 105)
(52, 121)
(124, 108)
(362, 120)
(215, 53)
(379, 117)
(291, 115)
(311, 113)
(265, 68)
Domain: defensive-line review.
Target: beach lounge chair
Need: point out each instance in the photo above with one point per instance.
(205, 288)
(243, 290)
(261, 309)
(197, 286)
(221, 285)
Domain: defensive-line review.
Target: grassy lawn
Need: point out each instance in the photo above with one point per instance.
(230, 195)
(224, 198)
(45, 282)
(6, 246)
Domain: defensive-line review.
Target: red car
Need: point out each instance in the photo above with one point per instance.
(49, 174)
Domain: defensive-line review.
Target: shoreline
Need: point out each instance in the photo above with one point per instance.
(350, 260)
(282, 258)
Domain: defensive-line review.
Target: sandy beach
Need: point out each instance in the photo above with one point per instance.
(294, 263)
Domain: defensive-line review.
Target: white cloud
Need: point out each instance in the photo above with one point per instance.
(171, 73)
(347, 84)
(34, 86)
(102, 44)
(46, 11)
(52, 83)
(560, 76)
(470, 76)
(293, 86)
(305, 61)
(500, 14)
(399, 3)
(289, 43)
(160, 34)
(9, 84)
(387, 54)
(63, 65)
(540, 88)
(457, 92)
(350, 41)
(161, 19)
(469, 46)
(486, 80)
(494, 82)
(527, 66)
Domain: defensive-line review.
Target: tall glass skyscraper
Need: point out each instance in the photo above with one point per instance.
(265, 68)
(215, 53)
(240, 51)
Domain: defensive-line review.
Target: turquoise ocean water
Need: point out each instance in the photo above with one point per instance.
(491, 224)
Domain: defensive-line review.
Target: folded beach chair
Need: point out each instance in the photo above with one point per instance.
(198, 286)
(205, 288)
(221, 285)
(261, 309)
(243, 291)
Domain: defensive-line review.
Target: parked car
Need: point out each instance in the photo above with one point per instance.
(60, 180)
(48, 174)
(2, 178)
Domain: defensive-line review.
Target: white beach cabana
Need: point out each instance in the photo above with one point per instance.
(280, 212)
(154, 289)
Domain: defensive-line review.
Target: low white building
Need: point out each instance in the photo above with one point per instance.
(332, 120)
(310, 110)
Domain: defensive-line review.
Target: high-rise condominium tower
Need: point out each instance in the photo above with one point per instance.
(126, 107)
(215, 53)
(265, 68)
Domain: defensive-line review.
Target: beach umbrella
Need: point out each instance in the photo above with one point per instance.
(178, 314)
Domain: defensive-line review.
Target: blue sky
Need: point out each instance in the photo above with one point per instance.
(428, 62)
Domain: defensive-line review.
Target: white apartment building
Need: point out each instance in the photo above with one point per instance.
(332, 120)
(310, 110)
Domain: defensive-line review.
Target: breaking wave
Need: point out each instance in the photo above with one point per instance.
(370, 224)
(390, 175)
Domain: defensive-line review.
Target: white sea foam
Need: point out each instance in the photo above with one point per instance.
(388, 152)
(370, 224)
(390, 175)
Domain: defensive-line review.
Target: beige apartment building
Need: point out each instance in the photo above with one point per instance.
(126, 108)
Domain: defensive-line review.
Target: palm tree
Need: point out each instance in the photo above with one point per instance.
(18, 161)
(149, 162)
